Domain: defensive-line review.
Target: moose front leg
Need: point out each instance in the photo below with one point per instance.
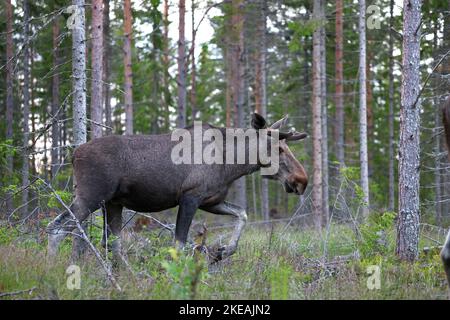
(226, 208)
(186, 210)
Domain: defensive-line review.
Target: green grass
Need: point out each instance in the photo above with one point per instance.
(269, 264)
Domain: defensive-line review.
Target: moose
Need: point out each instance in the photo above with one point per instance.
(138, 173)
(445, 252)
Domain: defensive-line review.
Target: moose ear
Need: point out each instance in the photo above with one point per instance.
(280, 123)
(297, 136)
(258, 122)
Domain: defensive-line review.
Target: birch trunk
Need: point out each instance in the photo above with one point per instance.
(79, 75)
(323, 81)
(363, 109)
(317, 198)
(409, 158)
(55, 154)
(128, 28)
(97, 69)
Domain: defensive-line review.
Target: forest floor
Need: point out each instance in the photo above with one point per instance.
(272, 262)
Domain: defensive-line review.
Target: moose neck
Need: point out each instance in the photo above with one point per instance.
(235, 171)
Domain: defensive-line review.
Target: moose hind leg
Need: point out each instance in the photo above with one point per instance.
(57, 230)
(227, 208)
(445, 256)
(81, 209)
(113, 222)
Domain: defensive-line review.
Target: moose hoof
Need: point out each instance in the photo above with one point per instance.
(222, 252)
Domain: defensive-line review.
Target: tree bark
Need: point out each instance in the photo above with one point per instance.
(128, 29)
(166, 65)
(261, 94)
(107, 68)
(391, 200)
(181, 60)
(323, 81)
(363, 109)
(26, 108)
(193, 67)
(97, 69)
(238, 69)
(409, 147)
(317, 193)
(9, 97)
(339, 95)
(79, 75)
(55, 154)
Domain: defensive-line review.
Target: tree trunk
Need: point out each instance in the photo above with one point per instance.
(79, 75)
(55, 154)
(9, 98)
(238, 69)
(317, 193)
(97, 69)
(128, 25)
(323, 80)
(409, 158)
(193, 67)
(339, 95)
(363, 109)
(181, 120)
(107, 68)
(166, 65)
(437, 137)
(26, 108)
(261, 95)
(391, 200)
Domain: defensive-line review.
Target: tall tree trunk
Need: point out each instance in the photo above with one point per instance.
(26, 107)
(261, 94)
(363, 108)
(437, 137)
(391, 201)
(181, 59)
(166, 65)
(238, 69)
(193, 67)
(55, 153)
(323, 81)
(409, 147)
(79, 75)
(339, 95)
(97, 69)
(9, 97)
(317, 196)
(128, 29)
(107, 68)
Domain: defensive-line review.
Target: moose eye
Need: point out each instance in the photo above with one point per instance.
(280, 150)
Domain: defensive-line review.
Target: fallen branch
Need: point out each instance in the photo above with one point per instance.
(14, 293)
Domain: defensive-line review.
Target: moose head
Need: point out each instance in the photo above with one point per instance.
(291, 173)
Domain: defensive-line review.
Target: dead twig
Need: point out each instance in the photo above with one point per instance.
(14, 293)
